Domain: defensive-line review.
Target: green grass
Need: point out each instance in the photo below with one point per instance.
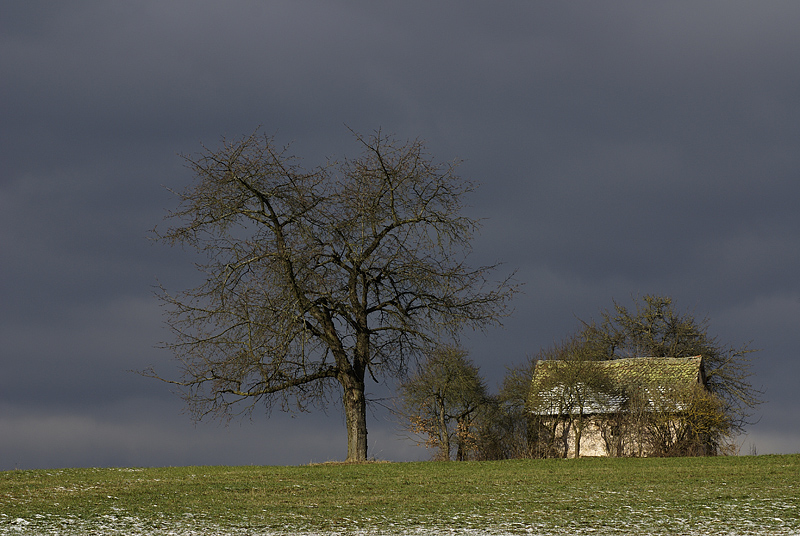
(724, 495)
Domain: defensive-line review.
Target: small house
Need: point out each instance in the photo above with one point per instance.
(620, 407)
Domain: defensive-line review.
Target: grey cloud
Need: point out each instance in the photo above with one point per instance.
(622, 149)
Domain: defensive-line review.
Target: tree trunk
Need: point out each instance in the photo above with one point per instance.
(460, 445)
(565, 437)
(578, 435)
(355, 410)
(444, 434)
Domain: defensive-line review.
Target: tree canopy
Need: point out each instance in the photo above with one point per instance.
(317, 279)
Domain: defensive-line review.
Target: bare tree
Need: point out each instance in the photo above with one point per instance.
(316, 279)
(572, 389)
(440, 401)
(655, 329)
(685, 420)
(509, 429)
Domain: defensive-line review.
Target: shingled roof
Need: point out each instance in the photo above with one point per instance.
(656, 375)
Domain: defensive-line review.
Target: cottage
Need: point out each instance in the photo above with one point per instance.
(621, 407)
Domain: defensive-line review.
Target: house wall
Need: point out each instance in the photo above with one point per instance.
(593, 442)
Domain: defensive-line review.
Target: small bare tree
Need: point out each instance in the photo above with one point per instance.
(440, 401)
(511, 430)
(572, 390)
(687, 421)
(654, 328)
(316, 279)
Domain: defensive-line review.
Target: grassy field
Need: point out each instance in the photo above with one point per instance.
(725, 495)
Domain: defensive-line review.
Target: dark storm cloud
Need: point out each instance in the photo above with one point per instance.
(622, 149)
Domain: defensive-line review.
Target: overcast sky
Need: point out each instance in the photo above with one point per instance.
(623, 148)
